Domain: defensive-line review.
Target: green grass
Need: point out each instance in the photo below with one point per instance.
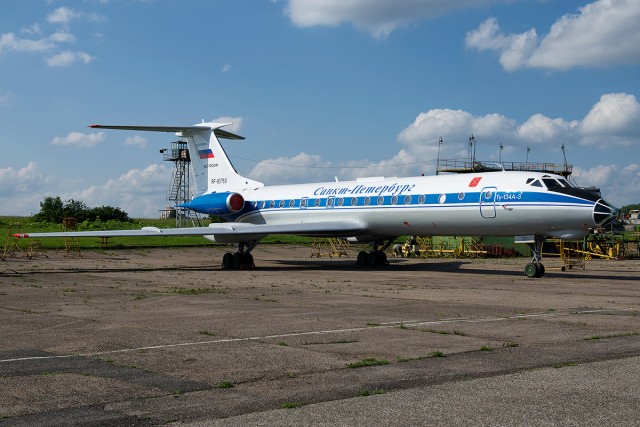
(225, 384)
(621, 334)
(565, 364)
(192, 291)
(369, 361)
(291, 405)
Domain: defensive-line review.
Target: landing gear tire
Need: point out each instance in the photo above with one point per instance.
(363, 258)
(532, 270)
(540, 270)
(237, 261)
(227, 261)
(247, 261)
(379, 258)
(373, 258)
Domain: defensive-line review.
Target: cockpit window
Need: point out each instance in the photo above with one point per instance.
(534, 182)
(551, 184)
(565, 183)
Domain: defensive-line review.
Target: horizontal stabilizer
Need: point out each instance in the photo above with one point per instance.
(185, 130)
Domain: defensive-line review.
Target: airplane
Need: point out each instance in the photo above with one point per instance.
(376, 210)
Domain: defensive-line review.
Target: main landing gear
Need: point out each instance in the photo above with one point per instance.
(240, 260)
(535, 267)
(376, 257)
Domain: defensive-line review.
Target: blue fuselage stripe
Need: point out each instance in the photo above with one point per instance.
(415, 201)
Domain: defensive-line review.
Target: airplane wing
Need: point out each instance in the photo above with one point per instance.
(240, 229)
(185, 130)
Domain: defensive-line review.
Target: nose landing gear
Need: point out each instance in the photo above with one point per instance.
(535, 267)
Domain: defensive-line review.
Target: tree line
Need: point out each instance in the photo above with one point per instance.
(52, 209)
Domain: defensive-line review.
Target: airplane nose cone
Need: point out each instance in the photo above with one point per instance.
(604, 213)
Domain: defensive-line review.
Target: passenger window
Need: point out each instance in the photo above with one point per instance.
(461, 196)
(316, 202)
(262, 204)
(394, 200)
(381, 200)
(422, 199)
(340, 201)
(367, 200)
(272, 204)
(281, 204)
(354, 201)
(407, 200)
(292, 203)
(303, 203)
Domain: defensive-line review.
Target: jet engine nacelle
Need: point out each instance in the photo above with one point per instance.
(222, 204)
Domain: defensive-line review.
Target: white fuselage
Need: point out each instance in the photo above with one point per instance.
(494, 203)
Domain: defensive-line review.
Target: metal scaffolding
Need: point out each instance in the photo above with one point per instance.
(180, 186)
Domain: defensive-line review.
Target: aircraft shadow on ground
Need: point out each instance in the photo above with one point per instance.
(324, 265)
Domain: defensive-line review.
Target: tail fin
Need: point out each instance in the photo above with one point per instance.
(212, 169)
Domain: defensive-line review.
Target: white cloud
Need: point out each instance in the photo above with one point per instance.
(618, 185)
(6, 98)
(539, 129)
(136, 140)
(455, 127)
(16, 181)
(602, 34)
(378, 17)
(9, 42)
(62, 15)
(616, 115)
(226, 68)
(67, 58)
(32, 30)
(139, 192)
(80, 139)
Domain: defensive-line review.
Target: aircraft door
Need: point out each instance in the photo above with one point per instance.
(488, 202)
(331, 202)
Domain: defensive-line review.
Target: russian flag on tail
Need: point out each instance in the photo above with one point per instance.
(205, 154)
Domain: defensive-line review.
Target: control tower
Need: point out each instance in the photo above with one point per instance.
(180, 187)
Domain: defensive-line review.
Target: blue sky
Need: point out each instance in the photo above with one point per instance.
(320, 88)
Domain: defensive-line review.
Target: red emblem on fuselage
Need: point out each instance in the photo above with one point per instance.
(474, 182)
